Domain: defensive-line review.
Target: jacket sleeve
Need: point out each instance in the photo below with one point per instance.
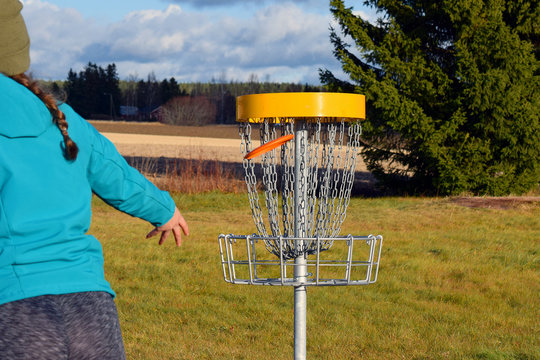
(122, 186)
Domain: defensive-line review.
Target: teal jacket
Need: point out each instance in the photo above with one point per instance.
(45, 199)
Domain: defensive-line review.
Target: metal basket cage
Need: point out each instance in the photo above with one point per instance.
(354, 260)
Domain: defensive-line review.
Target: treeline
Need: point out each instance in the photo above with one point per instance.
(97, 93)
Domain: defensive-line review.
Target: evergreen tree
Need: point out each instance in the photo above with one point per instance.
(94, 91)
(111, 89)
(75, 92)
(169, 89)
(452, 92)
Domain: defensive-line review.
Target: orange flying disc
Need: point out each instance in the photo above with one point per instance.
(268, 146)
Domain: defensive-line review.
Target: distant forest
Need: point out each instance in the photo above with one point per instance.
(97, 93)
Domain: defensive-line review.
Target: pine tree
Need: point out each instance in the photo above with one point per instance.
(94, 91)
(452, 92)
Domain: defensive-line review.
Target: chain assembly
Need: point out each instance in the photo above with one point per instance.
(317, 169)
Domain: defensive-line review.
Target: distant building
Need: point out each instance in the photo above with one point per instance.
(128, 110)
(157, 114)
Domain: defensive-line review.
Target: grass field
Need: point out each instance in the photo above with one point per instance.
(455, 283)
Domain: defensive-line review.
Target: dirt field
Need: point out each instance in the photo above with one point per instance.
(217, 142)
(147, 128)
(154, 140)
(183, 147)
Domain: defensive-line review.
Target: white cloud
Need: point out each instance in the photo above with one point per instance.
(149, 15)
(282, 41)
(57, 36)
(369, 17)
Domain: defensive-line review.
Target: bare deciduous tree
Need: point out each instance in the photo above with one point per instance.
(187, 110)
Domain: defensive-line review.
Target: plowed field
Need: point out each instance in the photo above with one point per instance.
(153, 140)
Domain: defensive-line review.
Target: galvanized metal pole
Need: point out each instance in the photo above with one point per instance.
(300, 268)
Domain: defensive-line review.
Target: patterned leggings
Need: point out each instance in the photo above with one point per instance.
(79, 326)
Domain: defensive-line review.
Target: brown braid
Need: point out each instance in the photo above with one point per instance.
(70, 148)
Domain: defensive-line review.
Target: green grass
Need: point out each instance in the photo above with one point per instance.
(454, 283)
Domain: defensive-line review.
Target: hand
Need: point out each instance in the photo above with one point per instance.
(176, 223)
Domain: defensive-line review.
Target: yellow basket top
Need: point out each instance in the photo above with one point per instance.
(283, 106)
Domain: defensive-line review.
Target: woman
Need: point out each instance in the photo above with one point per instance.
(54, 300)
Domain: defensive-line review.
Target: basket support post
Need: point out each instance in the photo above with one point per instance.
(300, 262)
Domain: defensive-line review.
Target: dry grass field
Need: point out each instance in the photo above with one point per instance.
(455, 283)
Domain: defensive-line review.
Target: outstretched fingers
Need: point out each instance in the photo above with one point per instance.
(177, 224)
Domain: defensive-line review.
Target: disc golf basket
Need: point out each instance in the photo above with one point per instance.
(304, 169)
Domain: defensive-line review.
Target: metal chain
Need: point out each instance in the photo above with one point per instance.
(251, 179)
(268, 133)
(338, 181)
(349, 169)
(313, 169)
(325, 206)
(287, 182)
(301, 182)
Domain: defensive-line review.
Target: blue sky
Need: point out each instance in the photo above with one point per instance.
(116, 10)
(192, 40)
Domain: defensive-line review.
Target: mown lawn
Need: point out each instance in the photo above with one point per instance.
(454, 283)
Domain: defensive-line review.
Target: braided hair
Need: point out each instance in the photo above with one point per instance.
(70, 148)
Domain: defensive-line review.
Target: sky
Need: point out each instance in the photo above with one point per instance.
(190, 40)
